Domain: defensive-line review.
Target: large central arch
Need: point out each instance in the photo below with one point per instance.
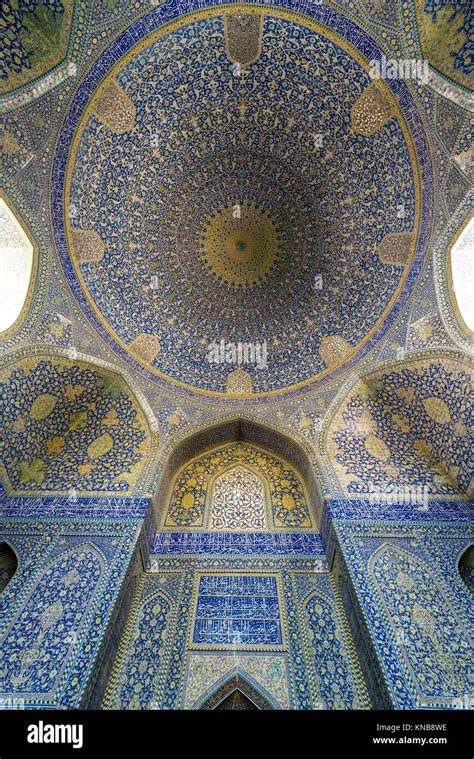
(233, 428)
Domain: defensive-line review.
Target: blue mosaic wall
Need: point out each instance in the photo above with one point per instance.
(70, 426)
(410, 596)
(209, 617)
(225, 543)
(258, 608)
(61, 615)
(406, 426)
(56, 610)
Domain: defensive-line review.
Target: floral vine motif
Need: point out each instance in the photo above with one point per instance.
(423, 620)
(37, 645)
(70, 427)
(192, 489)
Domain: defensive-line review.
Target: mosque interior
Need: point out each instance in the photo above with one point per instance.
(236, 354)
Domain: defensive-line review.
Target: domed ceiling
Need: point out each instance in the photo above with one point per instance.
(239, 178)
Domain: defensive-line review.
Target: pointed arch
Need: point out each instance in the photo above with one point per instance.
(200, 438)
(56, 610)
(238, 497)
(236, 680)
(284, 500)
(236, 700)
(466, 567)
(81, 426)
(8, 564)
(417, 608)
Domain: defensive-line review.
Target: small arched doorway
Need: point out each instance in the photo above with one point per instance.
(236, 693)
(8, 564)
(466, 567)
(236, 701)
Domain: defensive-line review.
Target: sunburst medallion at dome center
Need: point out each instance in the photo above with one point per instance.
(240, 244)
(316, 257)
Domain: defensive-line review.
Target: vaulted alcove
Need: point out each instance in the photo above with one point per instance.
(236, 338)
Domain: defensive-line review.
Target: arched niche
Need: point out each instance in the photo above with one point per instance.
(18, 262)
(56, 610)
(292, 500)
(238, 499)
(402, 431)
(466, 567)
(238, 429)
(8, 564)
(418, 607)
(144, 642)
(336, 684)
(258, 491)
(72, 426)
(236, 701)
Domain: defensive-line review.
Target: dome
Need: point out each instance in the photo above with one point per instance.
(238, 180)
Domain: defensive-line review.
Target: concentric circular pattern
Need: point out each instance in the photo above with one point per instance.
(152, 240)
(240, 244)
